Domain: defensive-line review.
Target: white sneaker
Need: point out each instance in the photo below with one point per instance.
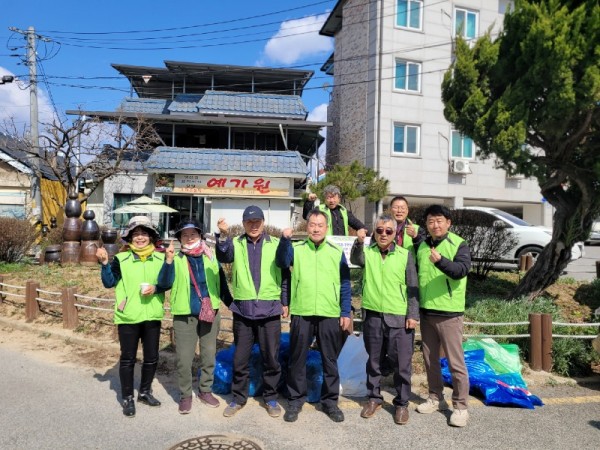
(432, 405)
(459, 418)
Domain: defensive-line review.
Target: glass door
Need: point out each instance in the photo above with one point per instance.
(187, 207)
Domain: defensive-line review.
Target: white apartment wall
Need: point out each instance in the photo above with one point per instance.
(426, 175)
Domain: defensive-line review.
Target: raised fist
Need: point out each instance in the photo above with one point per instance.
(102, 256)
(287, 233)
(170, 252)
(222, 225)
(361, 235)
(312, 197)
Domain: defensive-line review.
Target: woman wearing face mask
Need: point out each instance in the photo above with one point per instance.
(199, 285)
(134, 273)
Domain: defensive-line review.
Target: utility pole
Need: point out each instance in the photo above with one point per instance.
(36, 193)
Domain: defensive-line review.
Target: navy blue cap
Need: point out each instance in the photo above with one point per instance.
(253, 212)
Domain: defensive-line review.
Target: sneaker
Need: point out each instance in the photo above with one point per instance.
(334, 413)
(273, 408)
(232, 409)
(148, 399)
(459, 418)
(208, 399)
(128, 406)
(185, 405)
(291, 415)
(432, 405)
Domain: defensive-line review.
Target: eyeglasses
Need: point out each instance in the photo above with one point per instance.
(381, 230)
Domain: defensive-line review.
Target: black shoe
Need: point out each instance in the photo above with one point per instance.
(334, 413)
(128, 406)
(291, 415)
(148, 399)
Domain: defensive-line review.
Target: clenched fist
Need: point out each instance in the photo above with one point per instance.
(222, 225)
(287, 233)
(312, 197)
(102, 256)
(170, 253)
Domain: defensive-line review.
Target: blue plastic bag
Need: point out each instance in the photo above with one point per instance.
(496, 389)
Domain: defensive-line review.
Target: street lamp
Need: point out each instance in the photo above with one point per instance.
(7, 79)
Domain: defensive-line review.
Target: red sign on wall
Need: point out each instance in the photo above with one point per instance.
(234, 185)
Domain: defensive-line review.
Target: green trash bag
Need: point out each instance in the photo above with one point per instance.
(503, 358)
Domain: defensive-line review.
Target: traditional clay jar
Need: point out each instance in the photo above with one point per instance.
(90, 231)
(70, 253)
(112, 250)
(73, 206)
(109, 236)
(72, 229)
(87, 253)
(52, 254)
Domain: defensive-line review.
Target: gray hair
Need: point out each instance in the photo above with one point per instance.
(385, 218)
(332, 190)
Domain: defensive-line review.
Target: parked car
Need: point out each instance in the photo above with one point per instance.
(530, 238)
(595, 233)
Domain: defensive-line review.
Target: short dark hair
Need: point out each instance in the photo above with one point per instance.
(437, 210)
(398, 198)
(317, 212)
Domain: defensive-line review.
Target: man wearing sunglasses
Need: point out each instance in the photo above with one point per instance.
(390, 301)
(444, 260)
(339, 218)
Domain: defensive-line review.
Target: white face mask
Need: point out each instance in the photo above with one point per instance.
(193, 245)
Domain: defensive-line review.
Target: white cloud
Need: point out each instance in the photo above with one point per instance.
(15, 101)
(297, 39)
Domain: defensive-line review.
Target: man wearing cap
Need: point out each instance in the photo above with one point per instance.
(260, 299)
(339, 218)
(319, 306)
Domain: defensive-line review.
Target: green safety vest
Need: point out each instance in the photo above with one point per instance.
(134, 271)
(316, 280)
(270, 274)
(344, 213)
(438, 291)
(384, 281)
(181, 290)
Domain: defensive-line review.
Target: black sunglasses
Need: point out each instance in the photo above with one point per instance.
(387, 231)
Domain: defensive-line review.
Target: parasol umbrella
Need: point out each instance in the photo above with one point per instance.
(144, 209)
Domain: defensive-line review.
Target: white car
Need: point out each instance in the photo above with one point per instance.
(594, 237)
(531, 238)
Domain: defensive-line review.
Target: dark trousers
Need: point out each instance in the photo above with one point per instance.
(329, 339)
(268, 333)
(399, 345)
(129, 336)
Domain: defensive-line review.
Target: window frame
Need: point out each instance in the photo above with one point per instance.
(462, 146)
(467, 11)
(404, 152)
(408, 15)
(407, 64)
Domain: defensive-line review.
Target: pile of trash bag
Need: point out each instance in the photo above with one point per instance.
(351, 364)
(495, 374)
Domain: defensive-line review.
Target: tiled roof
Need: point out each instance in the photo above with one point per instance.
(241, 103)
(143, 105)
(15, 150)
(185, 103)
(169, 159)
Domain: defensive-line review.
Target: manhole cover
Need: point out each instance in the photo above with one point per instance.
(217, 441)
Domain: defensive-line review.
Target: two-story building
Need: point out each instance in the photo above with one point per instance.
(233, 136)
(386, 111)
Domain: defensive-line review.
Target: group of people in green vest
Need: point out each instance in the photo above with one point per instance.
(409, 275)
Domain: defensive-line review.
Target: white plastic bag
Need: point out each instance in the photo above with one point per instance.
(352, 367)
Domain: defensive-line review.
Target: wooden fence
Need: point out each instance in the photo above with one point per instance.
(540, 326)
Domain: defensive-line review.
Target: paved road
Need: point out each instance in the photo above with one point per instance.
(52, 405)
(585, 268)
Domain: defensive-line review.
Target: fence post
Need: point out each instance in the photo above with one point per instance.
(69, 310)
(535, 343)
(597, 269)
(2, 296)
(32, 308)
(546, 342)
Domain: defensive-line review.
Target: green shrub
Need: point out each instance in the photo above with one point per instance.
(17, 238)
(572, 357)
(589, 294)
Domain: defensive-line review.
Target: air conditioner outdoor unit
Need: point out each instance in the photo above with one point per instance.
(516, 176)
(460, 166)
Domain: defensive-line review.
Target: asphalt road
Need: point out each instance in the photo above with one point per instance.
(53, 405)
(584, 269)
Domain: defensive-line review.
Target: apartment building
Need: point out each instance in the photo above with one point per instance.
(385, 106)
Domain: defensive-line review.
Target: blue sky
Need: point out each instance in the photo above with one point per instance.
(77, 63)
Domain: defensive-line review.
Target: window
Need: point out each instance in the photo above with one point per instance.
(408, 76)
(465, 23)
(121, 220)
(406, 139)
(409, 13)
(462, 146)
